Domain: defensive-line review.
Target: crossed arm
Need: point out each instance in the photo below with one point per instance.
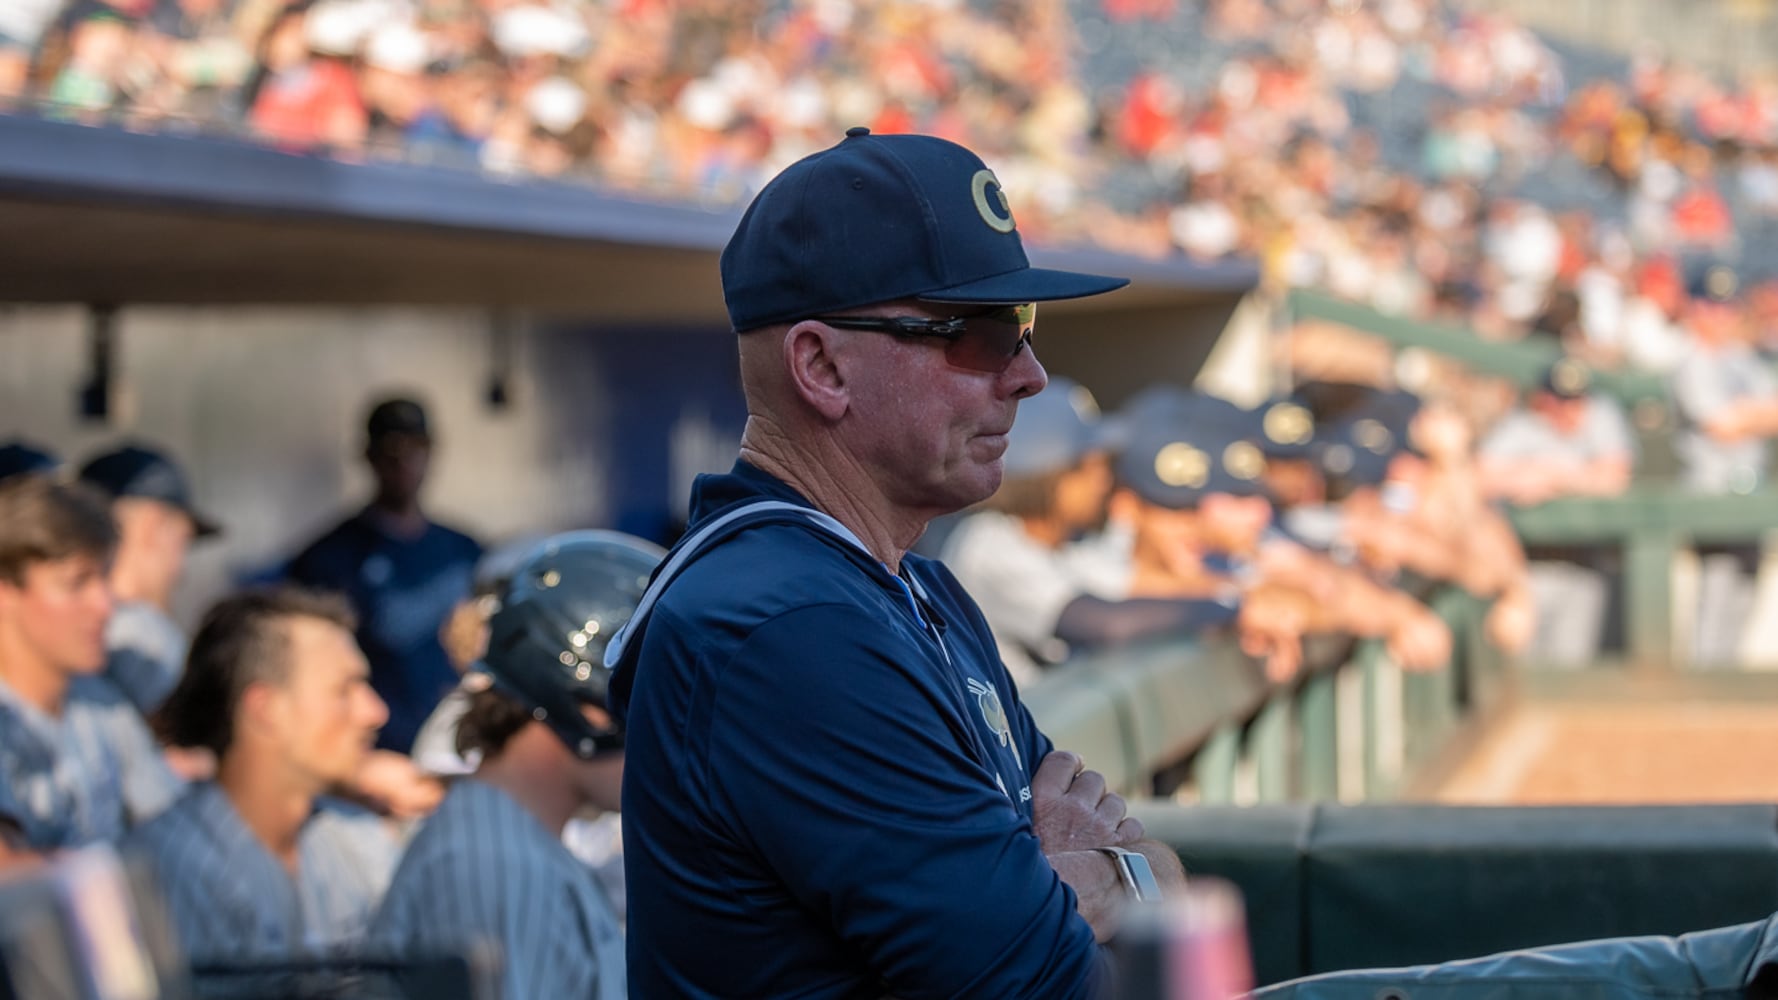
(1075, 816)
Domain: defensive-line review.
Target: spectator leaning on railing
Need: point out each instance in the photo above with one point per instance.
(1021, 554)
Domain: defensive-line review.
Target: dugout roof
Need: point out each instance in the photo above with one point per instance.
(106, 216)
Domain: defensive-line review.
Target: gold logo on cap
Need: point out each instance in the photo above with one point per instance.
(1179, 464)
(1288, 423)
(1373, 435)
(999, 220)
(1569, 378)
(1243, 460)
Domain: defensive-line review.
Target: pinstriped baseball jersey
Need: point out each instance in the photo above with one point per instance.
(483, 870)
(231, 899)
(88, 775)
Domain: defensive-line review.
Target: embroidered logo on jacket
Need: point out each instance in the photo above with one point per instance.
(994, 714)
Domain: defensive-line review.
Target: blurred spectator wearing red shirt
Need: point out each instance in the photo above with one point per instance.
(305, 97)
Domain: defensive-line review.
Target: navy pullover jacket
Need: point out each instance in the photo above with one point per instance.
(827, 781)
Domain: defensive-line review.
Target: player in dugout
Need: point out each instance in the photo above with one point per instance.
(261, 863)
(77, 763)
(490, 866)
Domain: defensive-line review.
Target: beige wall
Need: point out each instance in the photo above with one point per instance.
(265, 409)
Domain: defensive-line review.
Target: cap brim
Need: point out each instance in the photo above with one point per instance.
(1031, 284)
(201, 526)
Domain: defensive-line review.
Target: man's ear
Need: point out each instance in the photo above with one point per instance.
(10, 595)
(258, 708)
(810, 356)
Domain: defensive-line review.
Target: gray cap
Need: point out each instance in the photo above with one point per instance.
(1055, 429)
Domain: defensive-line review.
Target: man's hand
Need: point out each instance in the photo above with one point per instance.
(392, 784)
(191, 764)
(1420, 641)
(1512, 621)
(1073, 811)
(1270, 627)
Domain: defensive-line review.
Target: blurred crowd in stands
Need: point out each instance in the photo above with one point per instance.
(1427, 160)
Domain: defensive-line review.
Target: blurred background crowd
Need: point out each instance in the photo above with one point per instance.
(1428, 159)
(1419, 157)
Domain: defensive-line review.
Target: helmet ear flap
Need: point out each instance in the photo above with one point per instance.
(547, 638)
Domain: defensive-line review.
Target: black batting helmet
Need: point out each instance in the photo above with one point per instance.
(546, 641)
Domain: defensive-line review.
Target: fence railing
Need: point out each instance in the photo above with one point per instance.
(1201, 719)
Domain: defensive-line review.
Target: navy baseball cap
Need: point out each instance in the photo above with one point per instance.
(139, 471)
(18, 458)
(1055, 429)
(879, 218)
(1284, 428)
(1175, 464)
(1712, 281)
(398, 415)
(1174, 405)
(1567, 379)
(1359, 447)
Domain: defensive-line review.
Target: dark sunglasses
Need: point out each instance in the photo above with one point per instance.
(982, 342)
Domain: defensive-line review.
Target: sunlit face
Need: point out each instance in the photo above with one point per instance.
(1233, 525)
(324, 714)
(1169, 536)
(931, 435)
(1295, 482)
(1567, 416)
(58, 613)
(1083, 492)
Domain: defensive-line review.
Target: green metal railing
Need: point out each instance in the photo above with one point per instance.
(1201, 717)
(1520, 361)
(1650, 526)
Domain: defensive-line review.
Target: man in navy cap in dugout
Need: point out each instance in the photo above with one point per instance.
(402, 572)
(156, 524)
(832, 788)
(1026, 561)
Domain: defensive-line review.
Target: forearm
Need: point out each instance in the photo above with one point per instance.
(15, 854)
(1090, 621)
(1168, 870)
(1098, 890)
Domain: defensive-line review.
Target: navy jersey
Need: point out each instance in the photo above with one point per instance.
(403, 589)
(86, 776)
(484, 871)
(827, 780)
(231, 899)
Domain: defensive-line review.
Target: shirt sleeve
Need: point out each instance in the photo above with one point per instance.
(836, 753)
(1609, 432)
(1020, 586)
(1513, 437)
(1698, 391)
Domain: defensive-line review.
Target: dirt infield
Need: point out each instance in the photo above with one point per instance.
(1623, 754)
